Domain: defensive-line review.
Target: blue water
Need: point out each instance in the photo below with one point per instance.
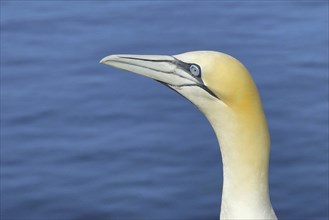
(80, 140)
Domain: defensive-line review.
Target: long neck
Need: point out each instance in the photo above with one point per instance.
(244, 142)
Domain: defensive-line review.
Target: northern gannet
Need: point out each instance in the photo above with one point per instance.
(221, 87)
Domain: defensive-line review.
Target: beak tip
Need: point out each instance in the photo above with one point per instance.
(102, 61)
(108, 59)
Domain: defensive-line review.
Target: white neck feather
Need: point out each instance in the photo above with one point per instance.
(244, 144)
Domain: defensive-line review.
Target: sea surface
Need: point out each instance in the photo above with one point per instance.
(83, 141)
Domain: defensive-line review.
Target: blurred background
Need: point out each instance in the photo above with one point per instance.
(80, 140)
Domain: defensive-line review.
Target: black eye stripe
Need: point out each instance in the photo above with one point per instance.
(187, 66)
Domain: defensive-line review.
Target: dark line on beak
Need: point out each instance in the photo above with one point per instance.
(134, 58)
(205, 88)
(180, 64)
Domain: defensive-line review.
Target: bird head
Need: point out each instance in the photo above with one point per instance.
(203, 77)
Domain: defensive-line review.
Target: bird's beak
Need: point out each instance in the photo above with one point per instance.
(166, 69)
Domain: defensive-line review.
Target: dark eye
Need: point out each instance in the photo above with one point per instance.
(195, 70)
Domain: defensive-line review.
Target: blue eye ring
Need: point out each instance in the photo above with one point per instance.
(195, 70)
